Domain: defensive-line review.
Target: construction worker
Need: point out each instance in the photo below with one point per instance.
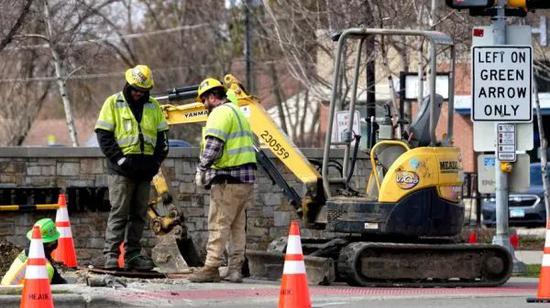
(132, 133)
(16, 273)
(227, 167)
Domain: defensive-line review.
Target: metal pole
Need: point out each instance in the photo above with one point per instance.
(502, 236)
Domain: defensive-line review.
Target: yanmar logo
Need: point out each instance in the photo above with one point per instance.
(196, 114)
(406, 179)
(449, 166)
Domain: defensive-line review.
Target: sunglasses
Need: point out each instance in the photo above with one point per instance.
(137, 91)
(205, 97)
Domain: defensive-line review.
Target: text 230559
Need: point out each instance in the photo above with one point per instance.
(274, 144)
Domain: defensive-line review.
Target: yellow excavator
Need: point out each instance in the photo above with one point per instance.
(402, 228)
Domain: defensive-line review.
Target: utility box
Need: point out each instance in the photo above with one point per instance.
(519, 178)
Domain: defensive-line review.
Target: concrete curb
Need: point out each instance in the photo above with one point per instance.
(63, 301)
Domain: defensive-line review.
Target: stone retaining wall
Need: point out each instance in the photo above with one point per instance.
(86, 167)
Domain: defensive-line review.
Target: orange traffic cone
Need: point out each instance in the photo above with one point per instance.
(65, 252)
(36, 290)
(121, 255)
(472, 239)
(543, 293)
(514, 239)
(294, 290)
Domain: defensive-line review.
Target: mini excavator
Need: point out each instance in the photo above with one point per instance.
(402, 229)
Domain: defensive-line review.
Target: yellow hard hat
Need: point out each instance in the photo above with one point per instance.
(140, 77)
(207, 85)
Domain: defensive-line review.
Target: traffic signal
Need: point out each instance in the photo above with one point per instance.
(529, 4)
(471, 4)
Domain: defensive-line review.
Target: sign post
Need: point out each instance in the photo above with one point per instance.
(502, 94)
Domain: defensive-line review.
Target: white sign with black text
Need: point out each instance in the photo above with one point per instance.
(502, 83)
(506, 143)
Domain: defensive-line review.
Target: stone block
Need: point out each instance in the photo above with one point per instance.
(168, 163)
(91, 166)
(187, 187)
(68, 168)
(48, 170)
(190, 167)
(101, 180)
(80, 183)
(281, 219)
(268, 211)
(34, 170)
(256, 231)
(275, 233)
(6, 229)
(272, 199)
(263, 222)
(40, 181)
(193, 211)
(11, 179)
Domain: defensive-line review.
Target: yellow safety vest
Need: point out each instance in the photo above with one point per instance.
(227, 123)
(116, 116)
(16, 274)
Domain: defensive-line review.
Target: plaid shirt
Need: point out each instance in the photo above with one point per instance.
(212, 151)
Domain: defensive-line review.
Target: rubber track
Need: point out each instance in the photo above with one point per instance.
(347, 267)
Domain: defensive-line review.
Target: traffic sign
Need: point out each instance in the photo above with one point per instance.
(502, 83)
(506, 142)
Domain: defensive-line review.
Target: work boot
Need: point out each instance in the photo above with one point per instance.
(111, 262)
(206, 274)
(234, 276)
(139, 262)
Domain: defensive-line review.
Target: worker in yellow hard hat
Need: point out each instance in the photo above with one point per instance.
(132, 133)
(16, 273)
(227, 167)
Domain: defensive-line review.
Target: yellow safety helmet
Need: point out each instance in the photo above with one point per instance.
(140, 77)
(207, 85)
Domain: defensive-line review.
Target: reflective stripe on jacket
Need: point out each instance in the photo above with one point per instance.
(227, 123)
(117, 117)
(16, 274)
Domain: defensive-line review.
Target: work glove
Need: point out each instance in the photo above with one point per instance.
(150, 169)
(126, 166)
(122, 162)
(200, 177)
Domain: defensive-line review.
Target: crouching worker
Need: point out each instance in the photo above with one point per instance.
(16, 274)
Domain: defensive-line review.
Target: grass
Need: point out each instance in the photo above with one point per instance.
(531, 270)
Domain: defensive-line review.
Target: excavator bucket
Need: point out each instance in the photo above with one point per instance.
(175, 252)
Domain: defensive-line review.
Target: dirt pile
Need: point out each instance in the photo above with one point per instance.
(8, 252)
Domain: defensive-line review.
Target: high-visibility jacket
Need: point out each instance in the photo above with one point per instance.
(132, 137)
(16, 274)
(227, 123)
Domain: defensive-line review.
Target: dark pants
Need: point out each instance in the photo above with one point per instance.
(128, 215)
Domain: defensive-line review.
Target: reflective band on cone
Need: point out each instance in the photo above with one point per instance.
(65, 252)
(543, 293)
(36, 290)
(294, 291)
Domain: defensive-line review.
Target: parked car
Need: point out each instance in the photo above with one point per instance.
(178, 143)
(525, 209)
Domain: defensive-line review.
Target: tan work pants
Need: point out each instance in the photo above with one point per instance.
(227, 222)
